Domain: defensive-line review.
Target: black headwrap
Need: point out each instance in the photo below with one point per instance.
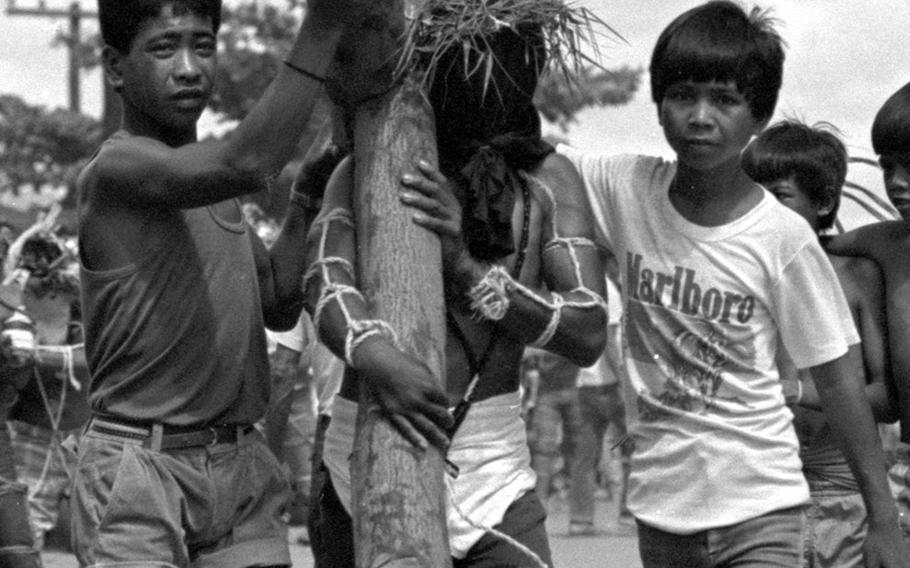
(487, 129)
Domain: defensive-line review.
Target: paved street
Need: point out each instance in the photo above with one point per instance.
(610, 550)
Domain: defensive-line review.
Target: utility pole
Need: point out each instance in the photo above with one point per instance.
(74, 13)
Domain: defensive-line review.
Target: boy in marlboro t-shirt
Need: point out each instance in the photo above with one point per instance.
(714, 273)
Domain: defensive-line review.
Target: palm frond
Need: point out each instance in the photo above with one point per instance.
(442, 25)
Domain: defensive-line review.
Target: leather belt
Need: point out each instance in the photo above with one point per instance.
(165, 437)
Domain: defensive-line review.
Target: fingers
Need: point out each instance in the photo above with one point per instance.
(426, 204)
(432, 214)
(424, 185)
(408, 431)
(431, 183)
(420, 431)
(431, 172)
(439, 415)
(430, 431)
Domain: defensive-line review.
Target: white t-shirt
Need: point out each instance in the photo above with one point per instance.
(703, 310)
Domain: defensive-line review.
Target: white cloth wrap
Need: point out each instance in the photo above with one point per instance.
(490, 449)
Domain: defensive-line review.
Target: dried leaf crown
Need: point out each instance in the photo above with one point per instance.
(440, 26)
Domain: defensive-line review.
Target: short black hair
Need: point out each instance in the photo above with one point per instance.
(121, 19)
(719, 41)
(813, 155)
(891, 127)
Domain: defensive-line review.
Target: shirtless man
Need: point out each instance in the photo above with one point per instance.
(519, 268)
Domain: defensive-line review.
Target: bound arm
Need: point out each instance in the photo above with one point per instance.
(281, 268)
(567, 315)
(404, 387)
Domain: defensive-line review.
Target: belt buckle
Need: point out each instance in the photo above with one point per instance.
(214, 437)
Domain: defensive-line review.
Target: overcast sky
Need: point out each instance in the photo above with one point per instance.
(844, 58)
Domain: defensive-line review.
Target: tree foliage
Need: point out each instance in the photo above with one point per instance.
(560, 98)
(253, 38)
(255, 35)
(48, 147)
(41, 147)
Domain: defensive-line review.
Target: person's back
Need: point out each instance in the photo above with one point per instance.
(714, 272)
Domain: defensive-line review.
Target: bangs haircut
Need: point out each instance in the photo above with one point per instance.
(813, 155)
(120, 20)
(719, 41)
(891, 127)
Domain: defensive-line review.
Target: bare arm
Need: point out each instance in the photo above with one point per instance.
(858, 242)
(848, 412)
(863, 285)
(142, 171)
(871, 321)
(281, 268)
(404, 387)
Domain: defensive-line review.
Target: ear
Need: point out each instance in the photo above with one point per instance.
(112, 60)
(825, 208)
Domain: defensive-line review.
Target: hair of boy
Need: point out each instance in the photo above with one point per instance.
(719, 41)
(815, 157)
(120, 20)
(891, 127)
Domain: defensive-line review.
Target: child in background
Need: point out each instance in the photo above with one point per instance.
(887, 243)
(805, 168)
(52, 406)
(715, 271)
(17, 339)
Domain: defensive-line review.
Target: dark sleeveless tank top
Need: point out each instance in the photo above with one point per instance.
(178, 337)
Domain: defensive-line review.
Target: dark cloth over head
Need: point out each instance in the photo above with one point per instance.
(490, 180)
(487, 128)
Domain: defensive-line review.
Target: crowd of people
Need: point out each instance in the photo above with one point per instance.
(190, 380)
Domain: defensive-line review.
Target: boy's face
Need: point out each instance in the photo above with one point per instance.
(707, 123)
(168, 74)
(788, 192)
(896, 171)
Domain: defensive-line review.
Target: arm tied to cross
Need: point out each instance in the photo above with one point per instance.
(329, 272)
(494, 294)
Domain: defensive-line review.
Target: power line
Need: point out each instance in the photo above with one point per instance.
(74, 13)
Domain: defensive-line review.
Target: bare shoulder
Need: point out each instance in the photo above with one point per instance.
(858, 275)
(558, 176)
(340, 185)
(120, 164)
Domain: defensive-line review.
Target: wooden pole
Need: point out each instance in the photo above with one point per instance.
(398, 492)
